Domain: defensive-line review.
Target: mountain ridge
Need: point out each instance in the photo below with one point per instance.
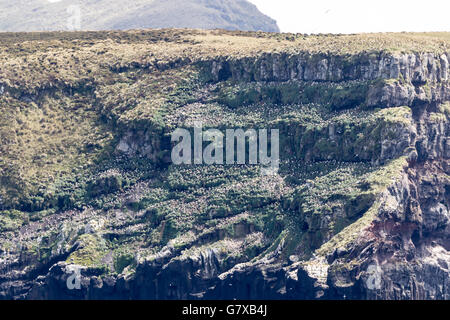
(41, 15)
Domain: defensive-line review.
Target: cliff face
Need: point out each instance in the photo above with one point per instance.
(358, 210)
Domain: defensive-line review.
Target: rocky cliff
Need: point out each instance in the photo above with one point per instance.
(93, 208)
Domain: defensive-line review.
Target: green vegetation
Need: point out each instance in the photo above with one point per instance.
(91, 251)
(123, 260)
(335, 96)
(12, 219)
(85, 131)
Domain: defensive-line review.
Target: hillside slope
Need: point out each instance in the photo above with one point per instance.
(41, 15)
(358, 210)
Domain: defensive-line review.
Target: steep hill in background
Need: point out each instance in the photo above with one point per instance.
(41, 15)
(358, 210)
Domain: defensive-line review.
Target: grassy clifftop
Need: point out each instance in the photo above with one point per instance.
(33, 60)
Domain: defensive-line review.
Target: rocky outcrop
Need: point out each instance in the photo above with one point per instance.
(414, 68)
